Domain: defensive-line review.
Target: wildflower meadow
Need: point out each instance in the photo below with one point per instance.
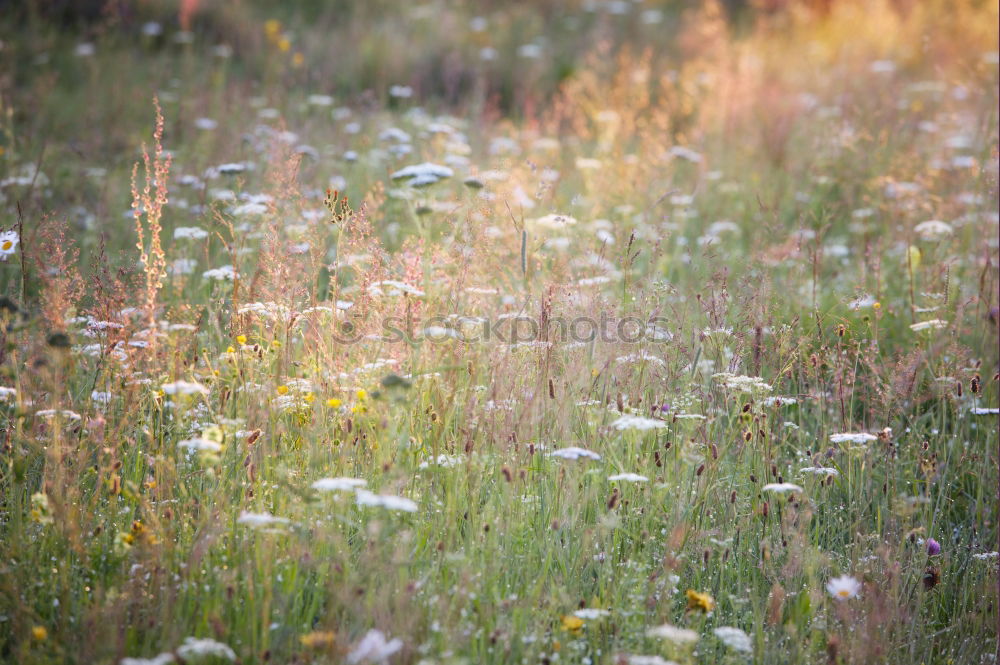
(610, 332)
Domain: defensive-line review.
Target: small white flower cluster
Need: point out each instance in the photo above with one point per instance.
(640, 423)
(364, 497)
(193, 650)
(743, 384)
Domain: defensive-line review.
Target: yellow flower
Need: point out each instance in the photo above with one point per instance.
(298, 59)
(317, 639)
(272, 27)
(39, 633)
(572, 624)
(309, 398)
(241, 339)
(362, 395)
(230, 350)
(700, 601)
(276, 344)
(333, 402)
(284, 45)
(282, 390)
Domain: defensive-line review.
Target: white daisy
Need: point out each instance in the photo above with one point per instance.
(8, 244)
(844, 587)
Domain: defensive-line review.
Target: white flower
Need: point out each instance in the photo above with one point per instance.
(183, 266)
(554, 221)
(338, 484)
(366, 498)
(8, 244)
(637, 422)
(984, 556)
(734, 638)
(779, 400)
(162, 659)
(231, 169)
(984, 411)
(649, 660)
(248, 209)
(673, 634)
(781, 488)
(686, 153)
(933, 230)
(933, 324)
(184, 388)
(851, 437)
(633, 358)
(198, 444)
(629, 477)
(423, 174)
(52, 413)
(196, 649)
(573, 453)
(820, 470)
(223, 273)
(190, 233)
(743, 384)
(393, 288)
(7, 394)
(843, 587)
(257, 520)
(206, 124)
(373, 648)
(591, 613)
(863, 300)
(442, 460)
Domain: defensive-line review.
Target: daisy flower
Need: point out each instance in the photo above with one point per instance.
(844, 587)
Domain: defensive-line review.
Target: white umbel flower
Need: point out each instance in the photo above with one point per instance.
(734, 638)
(781, 488)
(574, 453)
(374, 648)
(338, 484)
(673, 634)
(637, 422)
(195, 649)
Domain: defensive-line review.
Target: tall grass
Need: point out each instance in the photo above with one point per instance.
(707, 262)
